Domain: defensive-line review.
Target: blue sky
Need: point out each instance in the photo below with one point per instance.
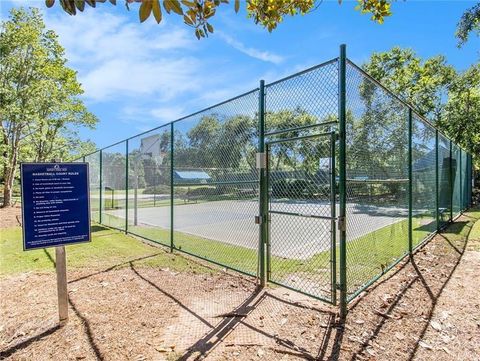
(138, 76)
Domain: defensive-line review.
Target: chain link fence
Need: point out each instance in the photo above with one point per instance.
(318, 182)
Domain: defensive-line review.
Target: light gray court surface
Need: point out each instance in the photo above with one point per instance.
(291, 237)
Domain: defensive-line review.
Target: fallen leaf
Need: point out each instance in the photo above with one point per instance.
(425, 345)
(436, 326)
(260, 352)
(400, 336)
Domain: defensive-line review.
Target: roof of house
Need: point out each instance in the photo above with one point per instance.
(191, 174)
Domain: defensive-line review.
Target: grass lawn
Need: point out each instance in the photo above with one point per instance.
(367, 256)
(107, 249)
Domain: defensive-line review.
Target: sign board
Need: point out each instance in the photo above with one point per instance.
(55, 204)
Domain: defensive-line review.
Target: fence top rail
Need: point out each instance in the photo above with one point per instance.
(302, 72)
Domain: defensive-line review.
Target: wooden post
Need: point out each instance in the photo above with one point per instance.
(62, 292)
(62, 288)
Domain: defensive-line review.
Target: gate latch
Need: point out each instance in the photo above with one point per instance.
(261, 160)
(258, 219)
(342, 226)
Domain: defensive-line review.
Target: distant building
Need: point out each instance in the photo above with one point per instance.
(191, 176)
(150, 147)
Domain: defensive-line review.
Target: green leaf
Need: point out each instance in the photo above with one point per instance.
(80, 4)
(157, 12)
(68, 6)
(197, 33)
(49, 3)
(167, 5)
(92, 3)
(187, 20)
(173, 5)
(209, 28)
(237, 5)
(113, 2)
(145, 10)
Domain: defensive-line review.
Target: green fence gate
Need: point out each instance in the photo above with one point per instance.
(301, 245)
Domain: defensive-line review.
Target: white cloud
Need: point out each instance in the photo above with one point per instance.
(252, 52)
(123, 78)
(168, 114)
(116, 58)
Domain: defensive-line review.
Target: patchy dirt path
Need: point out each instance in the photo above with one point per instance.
(10, 217)
(455, 326)
(425, 309)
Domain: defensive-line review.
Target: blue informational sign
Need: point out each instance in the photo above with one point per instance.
(55, 204)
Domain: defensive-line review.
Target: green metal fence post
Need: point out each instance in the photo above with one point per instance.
(437, 200)
(126, 186)
(461, 181)
(263, 198)
(333, 214)
(342, 181)
(450, 188)
(410, 182)
(101, 189)
(172, 192)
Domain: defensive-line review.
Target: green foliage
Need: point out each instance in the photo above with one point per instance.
(420, 83)
(449, 99)
(197, 14)
(285, 155)
(39, 96)
(380, 9)
(469, 22)
(461, 120)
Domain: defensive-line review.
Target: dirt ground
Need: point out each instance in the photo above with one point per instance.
(425, 309)
(10, 217)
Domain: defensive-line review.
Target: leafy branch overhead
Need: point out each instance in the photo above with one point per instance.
(198, 13)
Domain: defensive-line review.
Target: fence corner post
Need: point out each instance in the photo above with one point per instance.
(410, 183)
(342, 93)
(437, 185)
(172, 190)
(126, 186)
(263, 197)
(101, 189)
(450, 188)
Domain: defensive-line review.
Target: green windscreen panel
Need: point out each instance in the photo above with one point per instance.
(445, 180)
(424, 188)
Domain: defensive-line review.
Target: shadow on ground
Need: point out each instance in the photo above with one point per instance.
(228, 317)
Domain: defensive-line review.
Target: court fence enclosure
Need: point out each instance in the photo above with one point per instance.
(319, 182)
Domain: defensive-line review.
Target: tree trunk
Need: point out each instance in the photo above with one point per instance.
(9, 174)
(7, 189)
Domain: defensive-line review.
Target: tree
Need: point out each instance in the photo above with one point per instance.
(38, 94)
(421, 83)
(462, 111)
(436, 91)
(198, 13)
(469, 22)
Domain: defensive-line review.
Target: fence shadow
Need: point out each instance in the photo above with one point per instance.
(432, 287)
(25, 343)
(239, 316)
